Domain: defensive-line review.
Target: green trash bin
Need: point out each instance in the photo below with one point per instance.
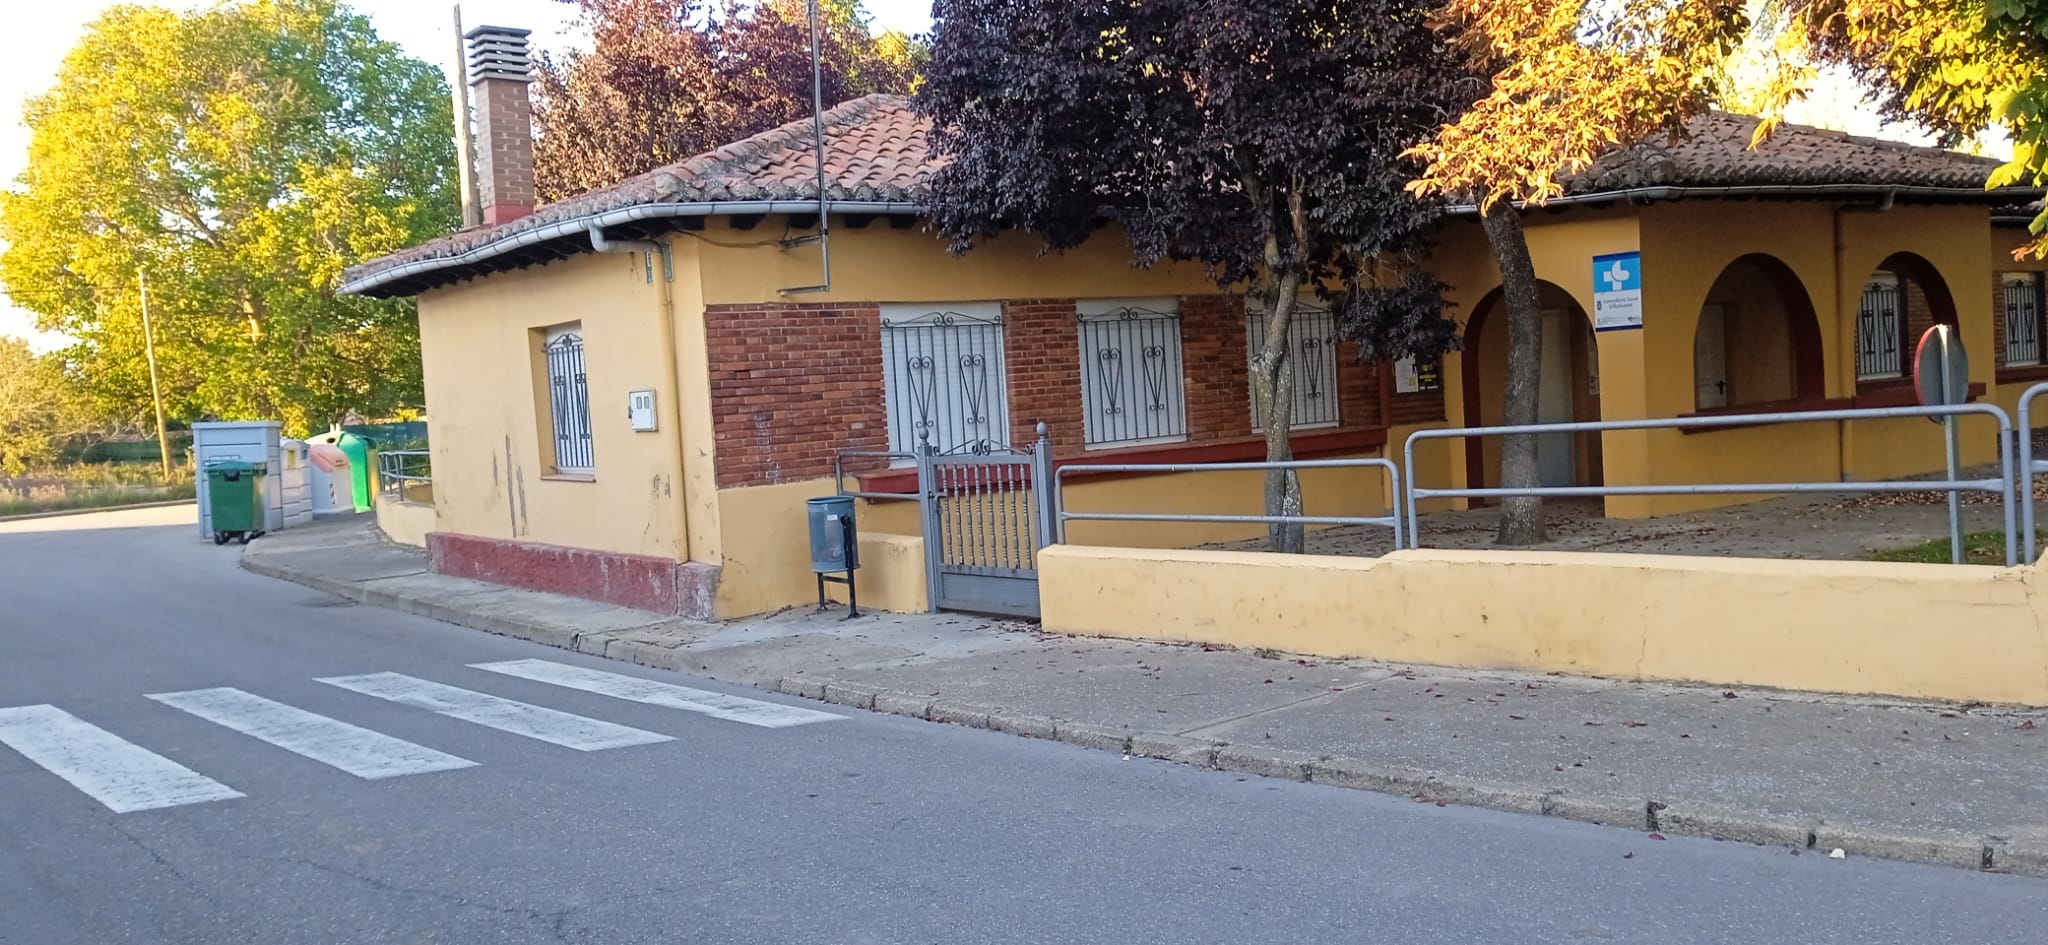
(234, 495)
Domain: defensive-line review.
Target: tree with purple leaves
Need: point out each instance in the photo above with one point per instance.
(1262, 139)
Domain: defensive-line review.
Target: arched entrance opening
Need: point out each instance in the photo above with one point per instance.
(1758, 340)
(1903, 298)
(1568, 389)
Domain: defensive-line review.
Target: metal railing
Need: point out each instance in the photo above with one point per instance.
(1391, 520)
(2001, 486)
(2028, 467)
(397, 468)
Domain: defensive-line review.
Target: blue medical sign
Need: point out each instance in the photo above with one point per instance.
(1617, 291)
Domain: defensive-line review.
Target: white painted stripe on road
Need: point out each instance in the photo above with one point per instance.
(505, 715)
(112, 770)
(718, 705)
(358, 751)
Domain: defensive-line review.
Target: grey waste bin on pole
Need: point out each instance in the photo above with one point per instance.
(835, 546)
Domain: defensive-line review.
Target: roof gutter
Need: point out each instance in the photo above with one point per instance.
(585, 224)
(1888, 191)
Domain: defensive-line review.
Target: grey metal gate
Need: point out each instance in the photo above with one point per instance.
(987, 513)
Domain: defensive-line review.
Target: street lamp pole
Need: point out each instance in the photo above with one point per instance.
(156, 396)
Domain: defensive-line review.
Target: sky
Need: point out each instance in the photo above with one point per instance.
(39, 34)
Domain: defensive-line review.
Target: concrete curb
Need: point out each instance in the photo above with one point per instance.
(67, 513)
(1986, 852)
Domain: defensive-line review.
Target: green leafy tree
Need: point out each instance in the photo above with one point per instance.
(667, 79)
(1958, 67)
(242, 156)
(37, 407)
(1570, 80)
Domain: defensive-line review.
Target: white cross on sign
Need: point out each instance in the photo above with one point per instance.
(1616, 276)
(1617, 291)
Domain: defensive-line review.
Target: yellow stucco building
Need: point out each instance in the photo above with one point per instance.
(635, 390)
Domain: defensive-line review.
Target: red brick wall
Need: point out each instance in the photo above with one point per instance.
(1042, 347)
(1919, 314)
(1419, 407)
(791, 386)
(1358, 389)
(1217, 365)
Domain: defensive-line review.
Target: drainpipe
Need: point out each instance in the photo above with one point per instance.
(1845, 290)
(652, 250)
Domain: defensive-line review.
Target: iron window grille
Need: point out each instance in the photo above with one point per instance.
(1133, 389)
(944, 380)
(2022, 318)
(1312, 357)
(1881, 330)
(569, 396)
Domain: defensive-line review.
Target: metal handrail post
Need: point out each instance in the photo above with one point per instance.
(1394, 498)
(2024, 482)
(1414, 518)
(2005, 472)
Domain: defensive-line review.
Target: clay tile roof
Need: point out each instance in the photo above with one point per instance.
(878, 156)
(1717, 154)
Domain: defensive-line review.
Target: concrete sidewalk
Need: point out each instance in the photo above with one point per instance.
(1959, 785)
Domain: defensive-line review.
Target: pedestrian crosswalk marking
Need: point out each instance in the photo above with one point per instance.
(505, 715)
(358, 751)
(118, 773)
(718, 705)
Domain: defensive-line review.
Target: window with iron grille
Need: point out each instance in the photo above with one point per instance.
(943, 374)
(1312, 357)
(569, 396)
(2022, 318)
(1881, 329)
(1133, 390)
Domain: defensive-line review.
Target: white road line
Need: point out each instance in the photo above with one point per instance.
(112, 770)
(505, 715)
(634, 689)
(358, 751)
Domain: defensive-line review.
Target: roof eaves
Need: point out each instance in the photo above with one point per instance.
(369, 283)
(1680, 192)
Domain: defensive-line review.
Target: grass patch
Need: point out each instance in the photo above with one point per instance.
(96, 486)
(1978, 548)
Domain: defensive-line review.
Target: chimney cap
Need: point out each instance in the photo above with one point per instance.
(499, 52)
(508, 31)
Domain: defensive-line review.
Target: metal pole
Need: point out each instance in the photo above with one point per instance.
(156, 394)
(2012, 537)
(1948, 434)
(465, 150)
(2023, 477)
(1414, 519)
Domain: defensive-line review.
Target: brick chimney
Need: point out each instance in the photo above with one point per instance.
(499, 72)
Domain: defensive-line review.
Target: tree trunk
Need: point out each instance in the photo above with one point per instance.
(1275, 380)
(1521, 517)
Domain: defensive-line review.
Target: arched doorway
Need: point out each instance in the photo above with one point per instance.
(1903, 298)
(1568, 389)
(1758, 340)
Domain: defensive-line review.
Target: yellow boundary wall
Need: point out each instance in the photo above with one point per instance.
(406, 523)
(1925, 631)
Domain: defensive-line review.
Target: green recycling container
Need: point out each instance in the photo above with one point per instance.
(234, 495)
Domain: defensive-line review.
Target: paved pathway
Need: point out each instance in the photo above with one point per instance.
(1962, 785)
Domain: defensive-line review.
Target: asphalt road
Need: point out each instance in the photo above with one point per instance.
(449, 815)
